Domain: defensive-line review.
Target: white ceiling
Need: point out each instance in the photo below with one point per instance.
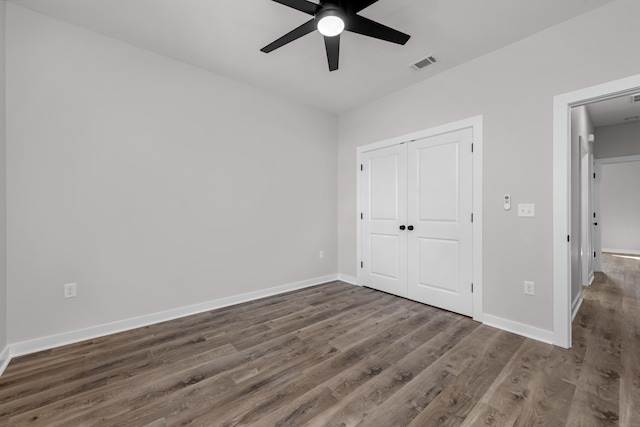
(614, 111)
(225, 37)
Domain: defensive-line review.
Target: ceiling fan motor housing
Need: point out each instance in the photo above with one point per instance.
(329, 9)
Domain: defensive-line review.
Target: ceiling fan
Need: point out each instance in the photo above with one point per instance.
(330, 18)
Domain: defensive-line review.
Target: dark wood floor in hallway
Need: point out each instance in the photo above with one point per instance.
(339, 355)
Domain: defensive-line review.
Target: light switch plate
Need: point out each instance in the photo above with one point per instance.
(527, 210)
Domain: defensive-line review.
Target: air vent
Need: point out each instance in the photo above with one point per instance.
(635, 98)
(424, 63)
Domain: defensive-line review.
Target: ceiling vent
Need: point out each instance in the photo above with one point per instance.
(424, 63)
(635, 98)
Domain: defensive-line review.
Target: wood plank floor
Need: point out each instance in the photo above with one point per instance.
(338, 355)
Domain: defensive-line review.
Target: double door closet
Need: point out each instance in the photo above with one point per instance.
(416, 232)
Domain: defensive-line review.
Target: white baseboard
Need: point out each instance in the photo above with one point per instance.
(348, 279)
(621, 251)
(5, 358)
(45, 343)
(575, 306)
(519, 328)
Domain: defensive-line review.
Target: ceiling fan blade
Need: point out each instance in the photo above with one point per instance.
(302, 30)
(367, 27)
(333, 51)
(355, 6)
(301, 5)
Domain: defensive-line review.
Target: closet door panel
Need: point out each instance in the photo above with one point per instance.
(384, 205)
(439, 209)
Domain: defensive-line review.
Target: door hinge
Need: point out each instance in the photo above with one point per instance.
(472, 147)
(594, 175)
(361, 167)
(568, 238)
(472, 217)
(361, 216)
(472, 288)
(594, 254)
(361, 264)
(594, 214)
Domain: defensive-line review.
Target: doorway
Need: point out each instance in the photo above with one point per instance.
(618, 204)
(562, 192)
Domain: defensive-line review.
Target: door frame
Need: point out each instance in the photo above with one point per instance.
(562, 105)
(597, 234)
(586, 212)
(475, 123)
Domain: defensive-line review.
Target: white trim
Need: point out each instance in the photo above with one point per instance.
(476, 124)
(621, 251)
(561, 222)
(5, 358)
(576, 306)
(562, 191)
(45, 343)
(587, 243)
(623, 159)
(519, 328)
(425, 133)
(478, 290)
(597, 233)
(348, 279)
(359, 165)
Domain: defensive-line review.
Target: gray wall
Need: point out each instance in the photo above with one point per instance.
(620, 207)
(3, 186)
(617, 140)
(513, 88)
(151, 184)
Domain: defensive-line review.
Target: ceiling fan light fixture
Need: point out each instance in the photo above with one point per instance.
(330, 22)
(331, 18)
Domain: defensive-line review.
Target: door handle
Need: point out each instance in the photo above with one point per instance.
(595, 223)
(410, 227)
(402, 227)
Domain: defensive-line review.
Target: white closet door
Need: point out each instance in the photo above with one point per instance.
(384, 205)
(440, 179)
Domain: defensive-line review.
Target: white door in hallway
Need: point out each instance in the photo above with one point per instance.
(417, 231)
(440, 188)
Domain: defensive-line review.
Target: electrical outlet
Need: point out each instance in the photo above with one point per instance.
(70, 290)
(529, 288)
(321, 255)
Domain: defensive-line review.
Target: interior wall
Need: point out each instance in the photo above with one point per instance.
(581, 127)
(3, 193)
(619, 207)
(151, 184)
(513, 88)
(617, 140)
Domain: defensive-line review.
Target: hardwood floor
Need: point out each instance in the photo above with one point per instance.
(338, 355)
